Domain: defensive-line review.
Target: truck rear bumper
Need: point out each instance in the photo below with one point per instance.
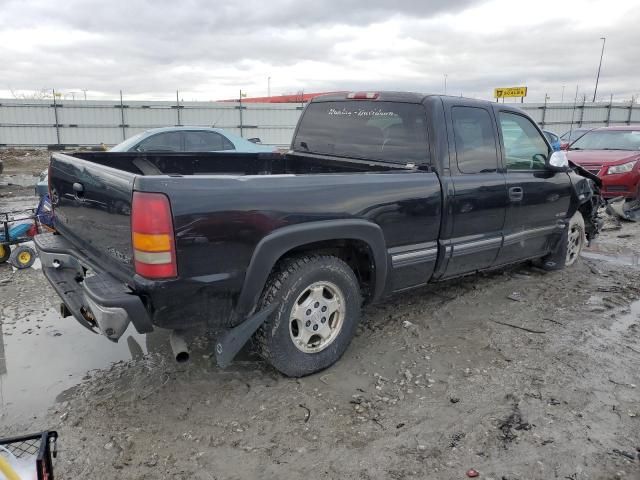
(96, 299)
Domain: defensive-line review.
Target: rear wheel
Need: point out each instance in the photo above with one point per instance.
(5, 252)
(318, 311)
(23, 257)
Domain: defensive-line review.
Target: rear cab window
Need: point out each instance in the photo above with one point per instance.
(372, 130)
(475, 139)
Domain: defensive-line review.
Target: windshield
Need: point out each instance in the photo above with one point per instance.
(385, 131)
(126, 145)
(608, 140)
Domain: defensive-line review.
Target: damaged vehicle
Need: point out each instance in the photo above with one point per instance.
(381, 192)
(613, 154)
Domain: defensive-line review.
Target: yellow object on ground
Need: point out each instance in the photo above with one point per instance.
(24, 257)
(6, 470)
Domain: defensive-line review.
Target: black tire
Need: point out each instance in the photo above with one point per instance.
(5, 252)
(294, 278)
(571, 244)
(22, 257)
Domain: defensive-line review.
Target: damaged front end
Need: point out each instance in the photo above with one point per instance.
(587, 187)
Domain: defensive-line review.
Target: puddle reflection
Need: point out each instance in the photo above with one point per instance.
(42, 354)
(616, 255)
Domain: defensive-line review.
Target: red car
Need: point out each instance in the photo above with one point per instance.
(612, 153)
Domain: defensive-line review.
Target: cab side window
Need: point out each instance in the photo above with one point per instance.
(474, 135)
(524, 147)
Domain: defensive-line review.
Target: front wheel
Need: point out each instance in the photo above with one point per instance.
(319, 303)
(571, 244)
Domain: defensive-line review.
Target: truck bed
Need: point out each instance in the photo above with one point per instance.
(224, 205)
(224, 163)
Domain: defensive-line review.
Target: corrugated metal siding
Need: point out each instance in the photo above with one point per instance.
(32, 122)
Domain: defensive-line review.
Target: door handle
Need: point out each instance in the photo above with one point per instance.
(516, 194)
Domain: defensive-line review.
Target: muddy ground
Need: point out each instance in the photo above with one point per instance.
(519, 374)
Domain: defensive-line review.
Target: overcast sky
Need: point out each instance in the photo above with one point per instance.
(211, 49)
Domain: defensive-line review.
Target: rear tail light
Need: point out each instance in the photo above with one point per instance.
(154, 249)
(363, 95)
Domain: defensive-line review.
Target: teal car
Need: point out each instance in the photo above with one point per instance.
(179, 139)
(189, 139)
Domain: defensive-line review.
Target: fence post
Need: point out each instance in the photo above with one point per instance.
(584, 100)
(178, 107)
(124, 132)
(609, 111)
(544, 111)
(630, 111)
(55, 114)
(240, 101)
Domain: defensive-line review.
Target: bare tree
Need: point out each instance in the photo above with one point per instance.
(32, 95)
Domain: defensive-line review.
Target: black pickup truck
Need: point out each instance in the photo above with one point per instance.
(380, 192)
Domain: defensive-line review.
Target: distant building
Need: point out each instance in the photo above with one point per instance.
(293, 98)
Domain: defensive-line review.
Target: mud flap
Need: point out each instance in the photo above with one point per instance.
(555, 259)
(232, 340)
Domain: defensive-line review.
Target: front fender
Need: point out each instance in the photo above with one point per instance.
(586, 199)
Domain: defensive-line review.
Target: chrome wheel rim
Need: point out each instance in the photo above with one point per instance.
(575, 243)
(317, 317)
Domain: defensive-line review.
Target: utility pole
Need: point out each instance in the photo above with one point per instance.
(604, 40)
(562, 97)
(445, 83)
(269, 87)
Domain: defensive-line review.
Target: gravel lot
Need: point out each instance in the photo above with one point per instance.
(519, 374)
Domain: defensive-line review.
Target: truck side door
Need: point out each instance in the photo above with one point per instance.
(480, 196)
(538, 197)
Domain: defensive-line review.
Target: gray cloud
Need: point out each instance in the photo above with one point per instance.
(208, 49)
(168, 17)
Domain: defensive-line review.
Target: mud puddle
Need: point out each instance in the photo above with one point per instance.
(18, 180)
(22, 204)
(624, 323)
(42, 355)
(617, 255)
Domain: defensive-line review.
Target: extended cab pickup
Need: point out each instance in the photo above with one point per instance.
(379, 193)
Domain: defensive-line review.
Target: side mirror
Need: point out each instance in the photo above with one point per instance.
(558, 161)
